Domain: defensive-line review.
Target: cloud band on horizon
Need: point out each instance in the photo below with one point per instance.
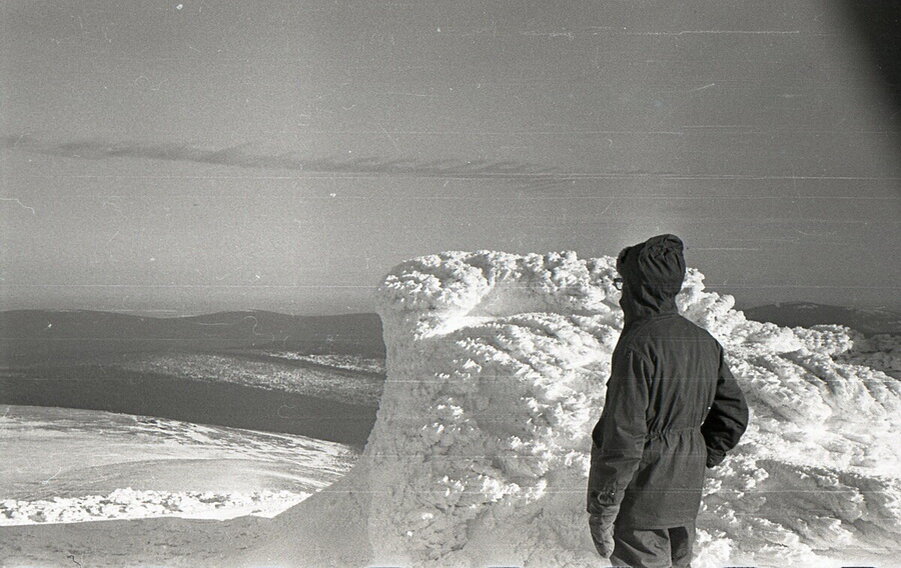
(241, 155)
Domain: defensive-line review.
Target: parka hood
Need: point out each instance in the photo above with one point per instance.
(652, 273)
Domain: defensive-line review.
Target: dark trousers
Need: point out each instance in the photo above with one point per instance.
(653, 548)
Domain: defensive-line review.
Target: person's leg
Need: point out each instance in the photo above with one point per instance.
(640, 548)
(681, 540)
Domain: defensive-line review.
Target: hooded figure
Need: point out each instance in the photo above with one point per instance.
(672, 408)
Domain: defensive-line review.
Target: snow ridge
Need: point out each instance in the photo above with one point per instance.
(128, 503)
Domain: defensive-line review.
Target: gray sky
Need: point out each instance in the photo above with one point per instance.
(182, 157)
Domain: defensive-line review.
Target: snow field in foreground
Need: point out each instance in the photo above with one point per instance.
(74, 465)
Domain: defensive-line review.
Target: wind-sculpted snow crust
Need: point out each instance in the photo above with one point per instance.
(497, 365)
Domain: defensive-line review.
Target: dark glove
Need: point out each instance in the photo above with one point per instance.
(714, 457)
(601, 527)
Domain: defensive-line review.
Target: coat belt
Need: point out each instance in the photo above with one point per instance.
(660, 433)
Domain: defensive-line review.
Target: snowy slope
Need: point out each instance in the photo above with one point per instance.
(67, 465)
(496, 374)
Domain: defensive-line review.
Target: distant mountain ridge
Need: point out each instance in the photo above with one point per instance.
(792, 314)
(30, 336)
(44, 336)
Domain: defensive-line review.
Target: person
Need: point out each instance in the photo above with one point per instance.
(672, 408)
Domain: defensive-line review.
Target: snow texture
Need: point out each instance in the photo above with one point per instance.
(132, 504)
(497, 365)
(881, 351)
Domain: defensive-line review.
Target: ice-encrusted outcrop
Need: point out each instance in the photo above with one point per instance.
(496, 369)
(882, 351)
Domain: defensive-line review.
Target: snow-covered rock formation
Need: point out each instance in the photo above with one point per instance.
(496, 368)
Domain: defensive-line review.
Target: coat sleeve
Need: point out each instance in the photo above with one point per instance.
(618, 437)
(727, 418)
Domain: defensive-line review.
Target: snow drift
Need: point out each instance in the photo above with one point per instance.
(128, 503)
(496, 368)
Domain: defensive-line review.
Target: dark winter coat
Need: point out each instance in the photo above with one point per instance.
(672, 405)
